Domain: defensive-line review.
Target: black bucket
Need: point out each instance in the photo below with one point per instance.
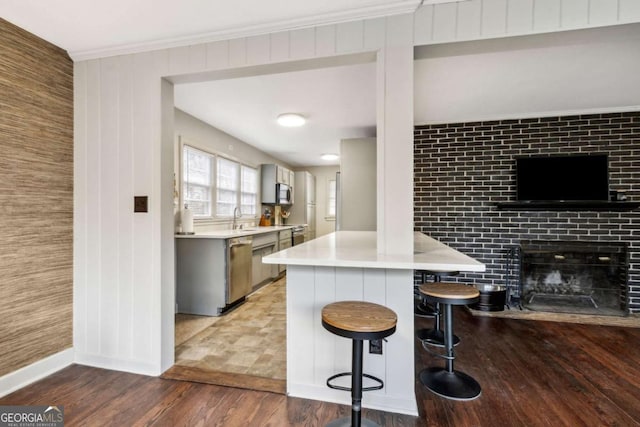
(492, 298)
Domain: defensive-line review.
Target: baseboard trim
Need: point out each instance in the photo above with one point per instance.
(36, 371)
(115, 364)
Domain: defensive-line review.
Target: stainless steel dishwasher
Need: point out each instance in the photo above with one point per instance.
(239, 269)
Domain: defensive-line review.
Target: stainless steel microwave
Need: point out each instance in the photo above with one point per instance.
(283, 194)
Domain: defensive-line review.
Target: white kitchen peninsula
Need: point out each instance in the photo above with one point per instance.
(345, 265)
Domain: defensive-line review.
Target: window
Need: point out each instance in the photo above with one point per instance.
(331, 199)
(227, 187)
(235, 185)
(197, 172)
(249, 190)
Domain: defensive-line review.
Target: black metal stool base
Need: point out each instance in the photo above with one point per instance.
(422, 310)
(454, 385)
(346, 422)
(434, 337)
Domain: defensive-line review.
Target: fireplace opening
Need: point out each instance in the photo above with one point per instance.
(574, 277)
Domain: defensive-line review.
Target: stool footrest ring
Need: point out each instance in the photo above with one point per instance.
(348, 374)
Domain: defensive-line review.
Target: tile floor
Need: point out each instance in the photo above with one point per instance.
(249, 340)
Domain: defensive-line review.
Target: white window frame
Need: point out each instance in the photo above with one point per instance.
(332, 194)
(212, 169)
(213, 187)
(255, 193)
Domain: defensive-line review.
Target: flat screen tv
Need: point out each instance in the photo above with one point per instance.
(570, 178)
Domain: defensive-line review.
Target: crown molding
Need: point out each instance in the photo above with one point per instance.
(372, 12)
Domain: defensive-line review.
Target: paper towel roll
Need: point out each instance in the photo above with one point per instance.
(187, 220)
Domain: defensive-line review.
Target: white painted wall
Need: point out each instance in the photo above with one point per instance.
(565, 73)
(323, 175)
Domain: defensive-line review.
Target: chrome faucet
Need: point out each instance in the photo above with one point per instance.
(236, 215)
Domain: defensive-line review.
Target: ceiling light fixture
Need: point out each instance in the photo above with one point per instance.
(329, 156)
(291, 120)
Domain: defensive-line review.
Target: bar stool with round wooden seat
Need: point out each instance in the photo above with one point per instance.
(447, 382)
(435, 335)
(359, 321)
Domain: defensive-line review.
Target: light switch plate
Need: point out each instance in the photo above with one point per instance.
(140, 203)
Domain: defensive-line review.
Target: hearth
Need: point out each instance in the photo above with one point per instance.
(574, 277)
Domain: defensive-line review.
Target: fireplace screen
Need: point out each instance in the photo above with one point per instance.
(573, 277)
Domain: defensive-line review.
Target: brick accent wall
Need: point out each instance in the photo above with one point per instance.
(462, 170)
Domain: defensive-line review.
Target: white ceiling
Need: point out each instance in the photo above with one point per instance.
(338, 102)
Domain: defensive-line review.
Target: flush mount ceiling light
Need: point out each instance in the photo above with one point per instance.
(291, 120)
(329, 156)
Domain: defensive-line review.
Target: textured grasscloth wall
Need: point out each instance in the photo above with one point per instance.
(36, 198)
(462, 170)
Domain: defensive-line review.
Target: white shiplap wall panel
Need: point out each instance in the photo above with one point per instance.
(375, 33)
(482, 19)
(399, 298)
(423, 25)
(301, 324)
(109, 298)
(349, 287)
(603, 12)
(326, 40)
(327, 354)
(198, 57)
(574, 13)
(494, 17)
(469, 19)
(125, 221)
(375, 291)
(302, 43)
(237, 52)
(520, 16)
(445, 19)
(143, 262)
(399, 31)
(258, 49)
(179, 60)
(280, 46)
(546, 15)
(324, 293)
(217, 55)
(93, 208)
(80, 207)
(349, 37)
(629, 10)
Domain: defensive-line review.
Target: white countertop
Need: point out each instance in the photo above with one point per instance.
(229, 234)
(358, 249)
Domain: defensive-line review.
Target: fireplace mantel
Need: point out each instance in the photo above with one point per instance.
(567, 206)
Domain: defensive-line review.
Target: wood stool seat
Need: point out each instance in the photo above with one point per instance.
(447, 382)
(450, 293)
(359, 321)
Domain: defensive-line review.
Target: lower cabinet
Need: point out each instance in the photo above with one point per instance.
(284, 242)
(263, 245)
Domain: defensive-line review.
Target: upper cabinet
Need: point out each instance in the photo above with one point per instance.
(272, 193)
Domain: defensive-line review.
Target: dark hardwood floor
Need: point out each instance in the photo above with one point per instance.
(532, 373)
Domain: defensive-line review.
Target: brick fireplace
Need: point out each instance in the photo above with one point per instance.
(463, 170)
